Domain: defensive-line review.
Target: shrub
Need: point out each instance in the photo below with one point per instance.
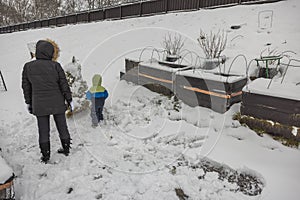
(212, 44)
(173, 44)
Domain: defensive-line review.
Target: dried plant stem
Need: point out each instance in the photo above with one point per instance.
(213, 44)
(173, 44)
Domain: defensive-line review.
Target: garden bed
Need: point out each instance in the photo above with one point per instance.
(277, 108)
(195, 87)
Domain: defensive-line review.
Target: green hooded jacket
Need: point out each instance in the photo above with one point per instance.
(97, 87)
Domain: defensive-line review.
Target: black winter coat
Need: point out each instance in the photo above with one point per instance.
(44, 83)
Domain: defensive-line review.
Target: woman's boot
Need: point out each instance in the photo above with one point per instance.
(65, 147)
(45, 150)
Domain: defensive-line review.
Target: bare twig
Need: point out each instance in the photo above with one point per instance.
(213, 44)
(173, 44)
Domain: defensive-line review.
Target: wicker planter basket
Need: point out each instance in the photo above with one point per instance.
(7, 190)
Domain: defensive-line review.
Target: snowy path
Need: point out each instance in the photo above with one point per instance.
(126, 158)
(148, 147)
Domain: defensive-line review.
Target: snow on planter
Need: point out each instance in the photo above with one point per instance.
(195, 87)
(6, 180)
(277, 108)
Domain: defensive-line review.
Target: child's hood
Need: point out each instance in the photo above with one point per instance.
(97, 81)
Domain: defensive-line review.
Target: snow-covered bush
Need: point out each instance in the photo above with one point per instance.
(77, 85)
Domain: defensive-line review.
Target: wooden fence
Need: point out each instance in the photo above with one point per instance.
(143, 8)
(2, 82)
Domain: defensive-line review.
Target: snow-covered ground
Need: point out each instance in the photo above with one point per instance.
(137, 153)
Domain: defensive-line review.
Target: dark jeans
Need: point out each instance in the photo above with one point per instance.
(44, 127)
(97, 109)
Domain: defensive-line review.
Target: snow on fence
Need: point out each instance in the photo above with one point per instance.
(138, 9)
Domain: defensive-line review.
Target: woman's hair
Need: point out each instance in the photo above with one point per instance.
(56, 49)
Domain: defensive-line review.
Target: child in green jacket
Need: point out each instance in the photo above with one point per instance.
(97, 95)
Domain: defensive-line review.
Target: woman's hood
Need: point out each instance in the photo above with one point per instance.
(47, 50)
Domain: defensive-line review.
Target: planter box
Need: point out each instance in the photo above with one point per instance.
(278, 105)
(131, 71)
(155, 73)
(212, 63)
(210, 90)
(172, 58)
(193, 87)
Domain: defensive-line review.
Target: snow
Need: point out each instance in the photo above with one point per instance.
(131, 155)
(295, 131)
(276, 88)
(155, 65)
(6, 172)
(187, 71)
(212, 76)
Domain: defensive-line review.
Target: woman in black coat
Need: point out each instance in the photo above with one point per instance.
(46, 92)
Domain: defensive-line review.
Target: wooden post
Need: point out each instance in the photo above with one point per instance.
(120, 17)
(3, 81)
(141, 8)
(167, 6)
(89, 17)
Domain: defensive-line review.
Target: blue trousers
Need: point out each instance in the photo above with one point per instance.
(97, 109)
